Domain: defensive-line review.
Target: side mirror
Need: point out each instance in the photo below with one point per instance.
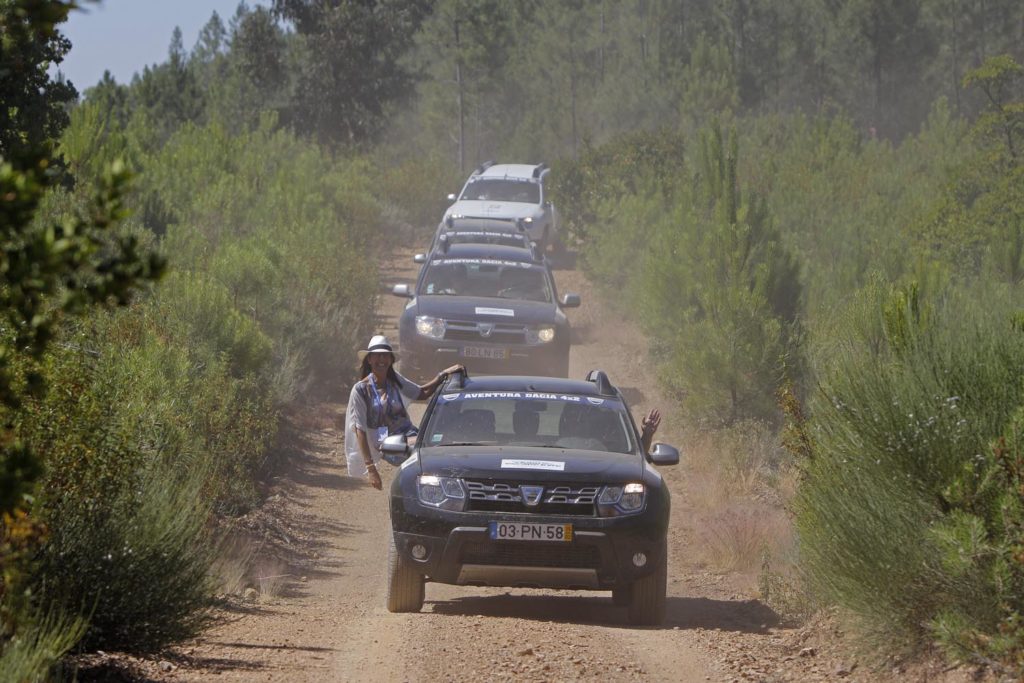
(395, 449)
(402, 291)
(663, 454)
(451, 197)
(570, 301)
(420, 258)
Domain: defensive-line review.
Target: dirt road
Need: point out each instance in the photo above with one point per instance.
(315, 609)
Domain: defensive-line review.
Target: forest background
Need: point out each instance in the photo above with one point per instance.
(815, 209)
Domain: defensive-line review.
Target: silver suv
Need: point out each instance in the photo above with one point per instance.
(513, 192)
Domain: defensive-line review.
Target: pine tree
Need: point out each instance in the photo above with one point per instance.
(726, 294)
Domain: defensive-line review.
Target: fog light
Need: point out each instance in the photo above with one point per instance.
(419, 552)
(639, 560)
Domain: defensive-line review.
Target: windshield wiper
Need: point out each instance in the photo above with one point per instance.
(466, 443)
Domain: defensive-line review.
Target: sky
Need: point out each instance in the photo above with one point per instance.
(123, 36)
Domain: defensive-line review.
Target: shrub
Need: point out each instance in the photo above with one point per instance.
(914, 473)
(126, 546)
(32, 653)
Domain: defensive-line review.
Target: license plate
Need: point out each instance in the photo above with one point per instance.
(484, 352)
(528, 531)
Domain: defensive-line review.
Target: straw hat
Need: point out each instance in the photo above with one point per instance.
(378, 344)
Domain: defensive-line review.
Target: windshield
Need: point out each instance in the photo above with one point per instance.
(486, 278)
(502, 190)
(529, 419)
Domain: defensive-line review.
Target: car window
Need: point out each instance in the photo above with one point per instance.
(486, 278)
(502, 190)
(529, 419)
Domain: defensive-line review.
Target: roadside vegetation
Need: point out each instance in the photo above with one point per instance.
(815, 212)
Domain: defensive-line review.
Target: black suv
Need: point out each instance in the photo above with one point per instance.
(491, 307)
(511, 233)
(529, 482)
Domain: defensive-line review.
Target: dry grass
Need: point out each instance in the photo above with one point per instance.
(244, 566)
(739, 484)
(235, 557)
(737, 538)
(270, 577)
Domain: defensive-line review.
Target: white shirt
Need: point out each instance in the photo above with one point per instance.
(355, 416)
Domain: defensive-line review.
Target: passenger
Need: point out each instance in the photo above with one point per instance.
(378, 407)
(449, 279)
(648, 426)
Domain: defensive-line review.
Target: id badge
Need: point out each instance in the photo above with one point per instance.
(382, 433)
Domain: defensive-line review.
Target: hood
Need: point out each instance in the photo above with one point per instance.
(522, 464)
(493, 209)
(511, 311)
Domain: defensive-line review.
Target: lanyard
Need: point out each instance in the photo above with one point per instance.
(377, 402)
(382, 427)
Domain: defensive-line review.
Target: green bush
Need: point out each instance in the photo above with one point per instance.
(915, 471)
(163, 414)
(33, 652)
(126, 547)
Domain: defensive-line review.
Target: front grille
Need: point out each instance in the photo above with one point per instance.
(563, 499)
(500, 333)
(563, 555)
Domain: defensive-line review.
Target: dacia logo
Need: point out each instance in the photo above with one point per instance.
(531, 494)
(486, 329)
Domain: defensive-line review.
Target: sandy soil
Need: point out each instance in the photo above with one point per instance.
(315, 608)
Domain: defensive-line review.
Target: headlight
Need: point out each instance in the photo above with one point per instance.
(618, 500)
(541, 335)
(632, 497)
(429, 326)
(528, 220)
(441, 492)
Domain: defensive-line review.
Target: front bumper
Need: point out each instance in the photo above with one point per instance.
(459, 549)
(427, 356)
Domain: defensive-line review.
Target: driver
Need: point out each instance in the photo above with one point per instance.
(525, 424)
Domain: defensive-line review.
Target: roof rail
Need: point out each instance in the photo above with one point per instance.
(457, 379)
(541, 167)
(483, 167)
(604, 385)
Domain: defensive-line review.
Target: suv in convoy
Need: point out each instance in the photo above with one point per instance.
(509, 191)
(511, 233)
(529, 482)
(490, 307)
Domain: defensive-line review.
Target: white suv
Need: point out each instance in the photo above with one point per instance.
(513, 192)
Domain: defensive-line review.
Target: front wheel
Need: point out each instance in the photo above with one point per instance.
(647, 602)
(405, 585)
(622, 595)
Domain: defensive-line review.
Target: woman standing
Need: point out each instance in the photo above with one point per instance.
(378, 407)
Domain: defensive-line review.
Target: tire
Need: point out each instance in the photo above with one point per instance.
(647, 603)
(622, 595)
(405, 584)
